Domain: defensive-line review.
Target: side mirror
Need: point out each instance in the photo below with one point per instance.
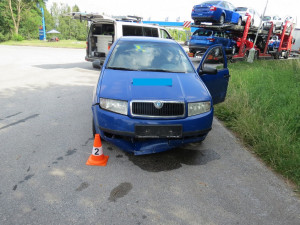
(208, 70)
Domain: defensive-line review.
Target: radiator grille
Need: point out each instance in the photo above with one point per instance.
(169, 109)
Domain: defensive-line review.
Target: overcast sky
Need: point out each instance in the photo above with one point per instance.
(159, 9)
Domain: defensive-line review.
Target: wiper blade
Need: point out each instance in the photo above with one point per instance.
(121, 68)
(160, 70)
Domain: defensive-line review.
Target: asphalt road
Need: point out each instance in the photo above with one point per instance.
(46, 138)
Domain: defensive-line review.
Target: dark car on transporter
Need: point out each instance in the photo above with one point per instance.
(203, 38)
(149, 97)
(218, 12)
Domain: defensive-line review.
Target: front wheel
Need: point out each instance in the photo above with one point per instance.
(93, 128)
(222, 19)
(239, 22)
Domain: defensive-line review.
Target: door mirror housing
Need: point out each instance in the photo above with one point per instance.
(208, 70)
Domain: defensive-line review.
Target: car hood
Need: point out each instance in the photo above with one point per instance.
(116, 84)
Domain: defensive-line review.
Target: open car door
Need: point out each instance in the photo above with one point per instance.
(214, 72)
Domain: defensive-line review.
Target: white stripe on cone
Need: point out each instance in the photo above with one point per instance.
(97, 151)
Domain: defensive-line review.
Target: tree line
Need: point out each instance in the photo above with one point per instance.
(21, 19)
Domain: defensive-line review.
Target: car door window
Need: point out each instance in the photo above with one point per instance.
(231, 7)
(223, 5)
(214, 59)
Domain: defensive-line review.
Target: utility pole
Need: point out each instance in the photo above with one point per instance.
(252, 50)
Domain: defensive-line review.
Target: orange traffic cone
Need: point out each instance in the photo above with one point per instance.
(97, 158)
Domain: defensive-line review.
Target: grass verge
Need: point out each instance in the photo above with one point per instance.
(263, 107)
(59, 44)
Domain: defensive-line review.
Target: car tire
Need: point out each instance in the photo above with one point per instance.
(93, 128)
(222, 19)
(197, 22)
(239, 22)
(233, 51)
(287, 55)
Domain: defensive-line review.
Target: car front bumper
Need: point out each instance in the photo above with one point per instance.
(121, 131)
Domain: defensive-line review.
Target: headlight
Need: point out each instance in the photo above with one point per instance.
(116, 106)
(196, 108)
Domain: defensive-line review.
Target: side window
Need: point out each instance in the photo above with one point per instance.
(214, 60)
(223, 5)
(150, 32)
(231, 7)
(132, 30)
(219, 34)
(164, 34)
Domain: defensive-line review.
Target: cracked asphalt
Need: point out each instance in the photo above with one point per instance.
(46, 138)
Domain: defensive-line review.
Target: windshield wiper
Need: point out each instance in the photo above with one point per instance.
(161, 70)
(120, 68)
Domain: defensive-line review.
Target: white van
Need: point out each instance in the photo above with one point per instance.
(105, 30)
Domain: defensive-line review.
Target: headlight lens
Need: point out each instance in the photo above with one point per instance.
(196, 108)
(116, 106)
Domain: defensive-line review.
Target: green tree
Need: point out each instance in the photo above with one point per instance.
(69, 28)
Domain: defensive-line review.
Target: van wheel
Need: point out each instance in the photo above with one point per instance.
(96, 64)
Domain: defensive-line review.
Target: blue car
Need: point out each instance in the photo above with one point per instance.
(218, 12)
(150, 98)
(202, 39)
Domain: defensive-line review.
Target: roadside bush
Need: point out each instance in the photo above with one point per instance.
(4, 37)
(17, 37)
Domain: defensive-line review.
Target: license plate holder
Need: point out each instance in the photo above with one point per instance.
(158, 131)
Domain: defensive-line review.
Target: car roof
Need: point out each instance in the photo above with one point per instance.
(148, 39)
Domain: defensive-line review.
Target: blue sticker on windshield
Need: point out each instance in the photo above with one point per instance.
(152, 82)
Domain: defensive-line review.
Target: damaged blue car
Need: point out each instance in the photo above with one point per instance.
(150, 98)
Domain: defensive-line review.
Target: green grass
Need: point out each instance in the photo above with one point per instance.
(263, 107)
(59, 44)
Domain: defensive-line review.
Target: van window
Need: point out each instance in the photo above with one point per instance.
(103, 29)
(132, 30)
(164, 34)
(150, 32)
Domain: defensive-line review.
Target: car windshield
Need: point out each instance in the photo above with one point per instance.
(149, 56)
(202, 32)
(241, 9)
(267, 18)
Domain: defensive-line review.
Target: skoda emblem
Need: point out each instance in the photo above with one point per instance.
(158, 104)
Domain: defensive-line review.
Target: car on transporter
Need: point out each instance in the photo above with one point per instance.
(203, 38)
(218, 12)
(149, 97)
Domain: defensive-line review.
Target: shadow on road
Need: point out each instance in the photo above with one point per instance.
(82, 65)
(173, 159)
